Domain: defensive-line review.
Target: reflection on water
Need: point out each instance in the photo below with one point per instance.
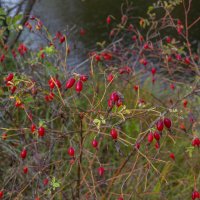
(61, 15)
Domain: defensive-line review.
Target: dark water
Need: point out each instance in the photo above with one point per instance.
(63, 15)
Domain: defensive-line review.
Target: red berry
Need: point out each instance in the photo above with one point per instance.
(70, 83)
(1, 194)
(195, 195)
(153, 71)
(187, 60)
(150, 137)
(110, 78)
(62, 39)
(185, 102)
(156, 135)
(146, 46)
(101, 171)
(136, 87)
(10, 77)
(25, 170)
(51, 83)
(108, 20)
(171, 155)
(114, 97)
(97, 58)
(167, 123)
(168, 39)
(114, 133)
(45, 181)
(79, 86)
(137, 145)
(33, 128)
(160, 125)
(23, 154)
(83, 78)
(71, 151)
(120, 198)
(95, 143)
(157, 146)
(41, 131)
(196, 142)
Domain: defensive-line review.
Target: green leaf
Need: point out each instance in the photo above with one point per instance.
(9, 20)
(97, 122)
(52, 69)
(28, 99)
(150, 8)
(49, 50)
(17, 18)
(190, 150)
(2, 12)
(56, 185)
(157, 187)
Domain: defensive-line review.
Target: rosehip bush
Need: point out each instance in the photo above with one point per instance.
(124, 127)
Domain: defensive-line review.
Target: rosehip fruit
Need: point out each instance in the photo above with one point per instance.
(95, 143)
(25, 170)
(101, 171)
(195, 195)
(108, 20)
(33, 128)
(45, 181)
(110, 78)
(160, 125)
(167, 123)
(156, 135)
(10, 77)
(79, 86)
(70, 83)
(83, 78)
(114, 133)
(172, 156)
(1, 194)
(23, 154)
(41, 131)
(153, 71)
(150, 137)
(71, 151)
